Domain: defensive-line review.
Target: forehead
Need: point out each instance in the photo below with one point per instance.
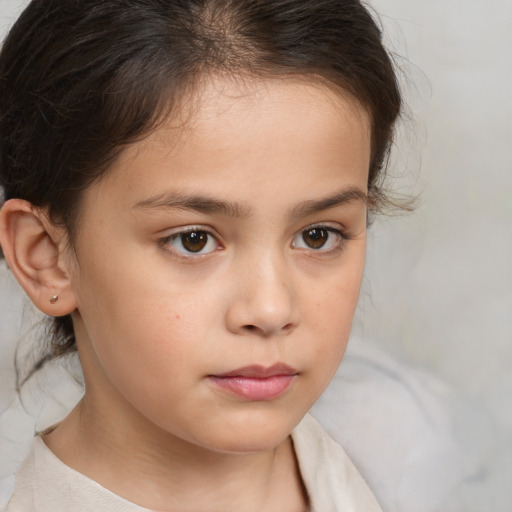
(299, 102)
(231, 133)
(217, 94)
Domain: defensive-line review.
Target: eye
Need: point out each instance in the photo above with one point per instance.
(318, 238)
(192, 242)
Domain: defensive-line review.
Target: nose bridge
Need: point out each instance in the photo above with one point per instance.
(265, 301)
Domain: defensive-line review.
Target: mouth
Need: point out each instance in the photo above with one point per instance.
(256, 383)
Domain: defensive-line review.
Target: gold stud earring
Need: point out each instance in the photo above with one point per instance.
(54, 299)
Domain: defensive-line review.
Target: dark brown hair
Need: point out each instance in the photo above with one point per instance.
(81, 79)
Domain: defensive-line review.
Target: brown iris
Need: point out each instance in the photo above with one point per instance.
(194, 241)
(315, 237)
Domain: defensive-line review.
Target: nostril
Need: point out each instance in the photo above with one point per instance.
(251, 328)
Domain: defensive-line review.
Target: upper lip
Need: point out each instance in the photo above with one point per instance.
(260, 372)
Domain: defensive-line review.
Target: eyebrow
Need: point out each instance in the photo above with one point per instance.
(203, 204)
(343, 196)
(200, 204)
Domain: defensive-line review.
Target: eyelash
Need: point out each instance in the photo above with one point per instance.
(178, 236)
(340, 235)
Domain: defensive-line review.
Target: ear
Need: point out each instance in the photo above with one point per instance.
(34, 249)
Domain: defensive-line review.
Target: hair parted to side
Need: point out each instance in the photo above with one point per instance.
(81, 79)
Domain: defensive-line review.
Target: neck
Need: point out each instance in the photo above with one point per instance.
(157, 470)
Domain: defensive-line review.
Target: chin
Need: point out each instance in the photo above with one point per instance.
(247, 443)
(250, 432)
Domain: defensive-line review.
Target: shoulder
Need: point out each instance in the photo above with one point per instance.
(23, 483)
(6, 490)
(415, 438)
(45, 484)
(331, 479)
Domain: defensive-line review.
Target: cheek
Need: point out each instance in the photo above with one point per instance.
(138, 327)
(151, 321)
(156, 334)
(335, 298)
(330, 314)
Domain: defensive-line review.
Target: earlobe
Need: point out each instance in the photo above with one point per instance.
(32, 248)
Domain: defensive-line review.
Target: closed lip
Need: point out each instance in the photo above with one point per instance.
(256, 383)
(259, 372)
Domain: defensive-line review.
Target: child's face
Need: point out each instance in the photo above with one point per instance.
(215, 251)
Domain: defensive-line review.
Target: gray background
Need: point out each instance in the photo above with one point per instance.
(434, 328)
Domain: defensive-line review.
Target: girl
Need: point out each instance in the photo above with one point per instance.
(187, 185)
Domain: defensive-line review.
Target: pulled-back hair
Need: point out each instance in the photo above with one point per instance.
(81, 79)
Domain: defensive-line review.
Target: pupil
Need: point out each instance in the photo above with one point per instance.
(194, 241)
(315, 237)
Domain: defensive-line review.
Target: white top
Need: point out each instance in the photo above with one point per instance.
(45, 484)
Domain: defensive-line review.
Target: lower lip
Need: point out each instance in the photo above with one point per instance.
(255, 389)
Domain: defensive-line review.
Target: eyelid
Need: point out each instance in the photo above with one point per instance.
(175, 233)
(336, 230)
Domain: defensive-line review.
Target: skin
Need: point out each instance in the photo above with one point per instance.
(155, 322)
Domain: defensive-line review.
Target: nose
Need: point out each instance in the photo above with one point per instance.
(264, 301)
